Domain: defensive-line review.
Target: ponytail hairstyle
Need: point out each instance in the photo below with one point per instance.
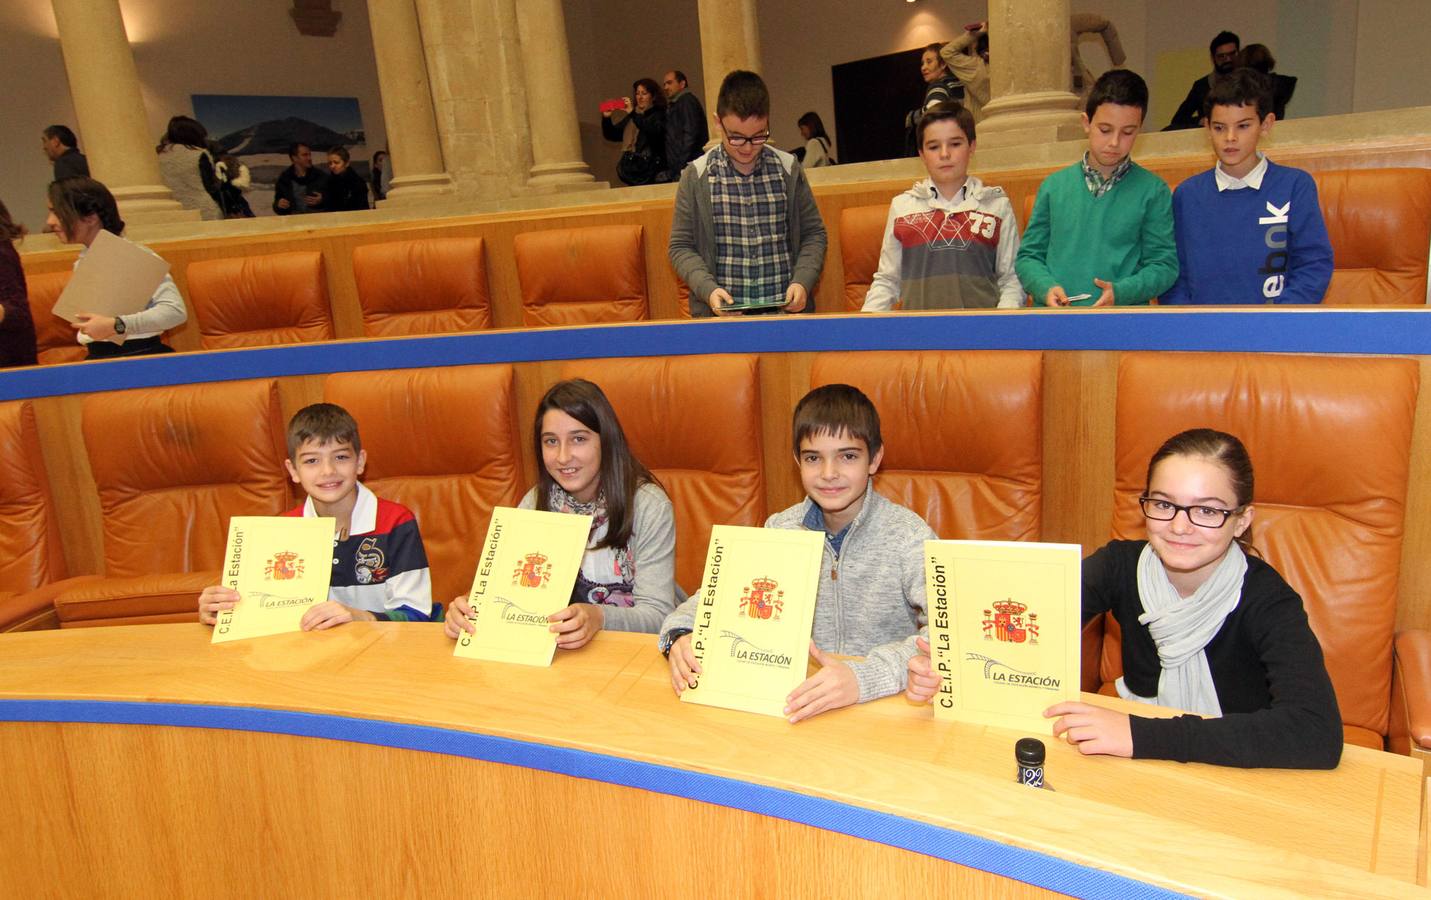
(1217, 447)
(75, 198)
(622, 474)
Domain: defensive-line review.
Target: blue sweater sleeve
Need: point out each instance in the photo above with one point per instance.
(1181, 291)
(1309, 250)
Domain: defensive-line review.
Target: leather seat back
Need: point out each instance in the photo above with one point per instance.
(444, 443)
(258, 301)
(861, 238)
(576, 276)
(173, 464)
(962, 435)
(29, 531)
(695, 423)
(429, 286)
(1330, 441)
(54, 338)
(1379, 222)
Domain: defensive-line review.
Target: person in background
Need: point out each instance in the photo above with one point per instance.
(1223, 50)
(61, 148)
(816, 151)
(187, 167)
(968, 58)
(80, 208)
(17, 329)
(640, 128)
(300, 187)
(1258, 58)
(1103, 29)
(235, 180)
(381, 175)
(686, 129)
(346, 189)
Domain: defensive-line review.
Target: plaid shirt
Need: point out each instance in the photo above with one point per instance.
(1097, 184)
(751, 227)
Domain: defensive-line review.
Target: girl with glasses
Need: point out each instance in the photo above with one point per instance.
(1207, 628)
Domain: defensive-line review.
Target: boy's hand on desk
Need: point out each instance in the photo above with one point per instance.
(1105, 298)
(214, 600)
(830, 688)
(1092, 729)
(684, 667)
(720, 297)
(795, 297)
(459, 618)
(576, 625)
(330, 613)
(923, 682)
(1055, 297)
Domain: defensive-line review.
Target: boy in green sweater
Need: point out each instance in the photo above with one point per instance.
(1101, 232)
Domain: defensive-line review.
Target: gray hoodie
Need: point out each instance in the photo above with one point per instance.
(875, 607)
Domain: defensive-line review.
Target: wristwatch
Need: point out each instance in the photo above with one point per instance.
(118, 325)
(668, 640)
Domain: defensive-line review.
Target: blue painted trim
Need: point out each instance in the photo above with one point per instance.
(1267, 331)
(956, 847)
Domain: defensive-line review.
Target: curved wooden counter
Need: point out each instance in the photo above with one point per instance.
(367, 760)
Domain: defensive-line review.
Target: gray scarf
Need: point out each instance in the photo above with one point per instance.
(1181, 628)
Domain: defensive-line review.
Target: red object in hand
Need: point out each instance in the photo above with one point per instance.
(975, 26)
(613, 105)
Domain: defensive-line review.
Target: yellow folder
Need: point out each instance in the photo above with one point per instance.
(752, 629)
(281, 566)
(525, 572)
(1004, 629)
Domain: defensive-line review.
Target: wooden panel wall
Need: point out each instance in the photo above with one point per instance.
(1079, 389)
(498, 229)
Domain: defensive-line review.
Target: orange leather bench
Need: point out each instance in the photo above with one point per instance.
(54, 338)
(256, 301)
(431, 286)
(172, 465)
(962, 433)
(34, 558)
(575, 276)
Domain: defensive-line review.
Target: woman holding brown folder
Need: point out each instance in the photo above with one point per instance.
(80, 208)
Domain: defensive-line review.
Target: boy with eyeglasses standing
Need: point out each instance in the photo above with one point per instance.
(746, 236)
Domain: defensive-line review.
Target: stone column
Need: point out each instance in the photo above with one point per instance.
(551, 99)
(416, 154)
(109, 109)
(730, 39)
(1029, 75)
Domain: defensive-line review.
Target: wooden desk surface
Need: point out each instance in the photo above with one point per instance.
(1192, 828)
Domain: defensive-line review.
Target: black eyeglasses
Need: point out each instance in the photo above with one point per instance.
(1201, 516)
(740, 140)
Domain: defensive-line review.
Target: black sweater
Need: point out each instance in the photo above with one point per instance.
(1278, 707)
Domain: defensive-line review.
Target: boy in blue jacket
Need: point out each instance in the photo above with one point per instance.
(1248, 230)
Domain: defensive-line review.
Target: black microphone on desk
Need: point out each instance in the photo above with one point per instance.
(1029, 753)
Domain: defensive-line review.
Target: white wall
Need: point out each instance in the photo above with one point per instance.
(181, 48)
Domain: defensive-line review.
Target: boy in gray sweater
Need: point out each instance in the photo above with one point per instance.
(871, 596)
